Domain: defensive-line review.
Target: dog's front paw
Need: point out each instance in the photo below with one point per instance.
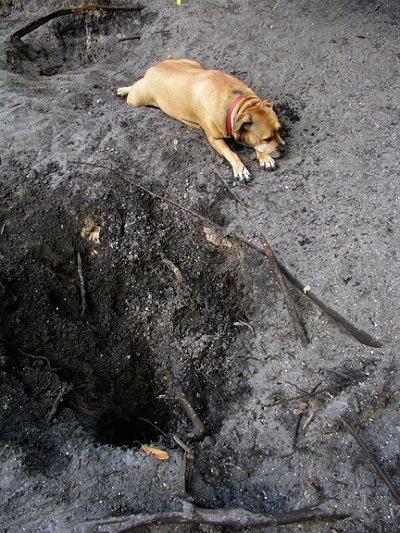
(266, 161)
(242, 175)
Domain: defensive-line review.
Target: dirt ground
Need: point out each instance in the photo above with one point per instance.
(113, 302)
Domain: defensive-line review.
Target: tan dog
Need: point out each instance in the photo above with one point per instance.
(220, 104)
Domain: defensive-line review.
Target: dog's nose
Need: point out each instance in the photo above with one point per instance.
(282, 148)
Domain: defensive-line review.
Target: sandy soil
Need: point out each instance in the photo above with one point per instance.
(164, 310)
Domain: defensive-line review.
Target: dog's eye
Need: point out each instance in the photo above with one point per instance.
(268, 139)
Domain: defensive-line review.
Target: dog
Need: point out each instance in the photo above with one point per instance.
(218, 103)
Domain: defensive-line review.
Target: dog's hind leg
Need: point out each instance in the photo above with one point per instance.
(137, 94)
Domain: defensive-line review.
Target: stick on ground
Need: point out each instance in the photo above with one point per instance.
(298, 326)
(189, 461)
(81, 283)
(64, 390)
(232, 193)
(358, 333)
(371, 459)
(234, 517)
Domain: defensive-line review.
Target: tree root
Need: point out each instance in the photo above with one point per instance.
(192, 514)
(17, 35)
(297, 325)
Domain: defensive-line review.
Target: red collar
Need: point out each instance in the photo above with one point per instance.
(235, 101)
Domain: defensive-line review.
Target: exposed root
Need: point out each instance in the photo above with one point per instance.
(297, 325)
(17, 35)
(235, 517)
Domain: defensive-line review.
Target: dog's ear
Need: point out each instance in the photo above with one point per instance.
(242, 121)
(271, 105)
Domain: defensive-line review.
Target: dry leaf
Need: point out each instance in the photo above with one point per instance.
(155, 452)
(90, 230)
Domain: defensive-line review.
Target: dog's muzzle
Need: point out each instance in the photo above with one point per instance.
(279, 152)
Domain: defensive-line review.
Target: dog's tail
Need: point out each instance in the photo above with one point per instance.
(123, 91)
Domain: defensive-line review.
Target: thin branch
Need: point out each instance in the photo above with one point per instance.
(234, 517)
(198, 426)
(176, 272)
(312, 394)
(189, 461)
(358, 333)
(133, 38)
(188, 451)
(64, 390)
(232, 192)
(298, 326)
(83, 8)
(296, 431)
(150, 192)
(152, 424)
(371, 459)
(81, 283)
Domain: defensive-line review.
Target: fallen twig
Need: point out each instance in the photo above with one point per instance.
(361, 335)
(232, 193)
(188, 451)
(94, 413)
(150, 192)
(152, 424)
(312, 394)
(84, 8)
(133, 38)
(296, 430)
(358, 333)
(81, 282)
(310, 418)
(371, 459)
(242, 323)
(65, 389)
(384, 394)
(189, 460)
(297, 325)
(234, 517)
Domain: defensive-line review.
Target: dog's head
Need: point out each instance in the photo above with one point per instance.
(257, 125)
